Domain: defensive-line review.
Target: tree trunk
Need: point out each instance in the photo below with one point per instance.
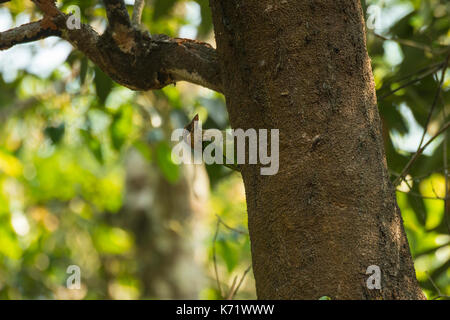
(301, 66)
(165, 220)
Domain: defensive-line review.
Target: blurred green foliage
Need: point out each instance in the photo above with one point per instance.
(407, 82)
(65, 135)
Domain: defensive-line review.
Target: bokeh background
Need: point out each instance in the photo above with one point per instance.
(86, 176)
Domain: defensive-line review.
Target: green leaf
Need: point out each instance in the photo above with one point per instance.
(93, 144)
(229, 252)
(9, 245)
(121, 126)
(112, 240)
(162, 8)
(168, 168)
(205, 26)
(103, 85)
(144, 149)
(55, 133)
(83, 70)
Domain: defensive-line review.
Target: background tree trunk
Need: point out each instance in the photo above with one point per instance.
(165, 219)
(301, 66)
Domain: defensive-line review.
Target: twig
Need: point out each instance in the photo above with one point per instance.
(137, 12)
(435, 100)
(407, 43)
(409, 75)
(420, 148)
(440, 295)
(421, 177)
(233, 284)
(423, 76)
(419, 152)
(433, 189)
(232, 294)
(447, 186)
(407, 183)
(25, 33)
(230, 228)
(215, 258)
(418, 195)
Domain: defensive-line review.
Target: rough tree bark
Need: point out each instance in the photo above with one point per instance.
(330, 212)
(300, 66)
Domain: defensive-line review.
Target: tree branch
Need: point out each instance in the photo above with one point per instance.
(117, 14)
(25, 33)
(137, 12)
(130, 57)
